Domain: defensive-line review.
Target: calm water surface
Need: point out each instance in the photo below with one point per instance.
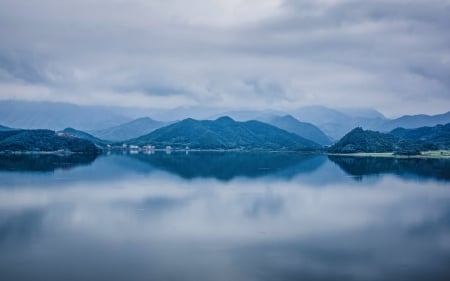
(223, 216)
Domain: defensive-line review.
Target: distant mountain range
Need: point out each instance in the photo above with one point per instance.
(57, 116)
(303, 129)
(3, 128)
(247, 115)
(415, 121)
(129, 130)
(336, 123)
(111, 122)
(225, 133)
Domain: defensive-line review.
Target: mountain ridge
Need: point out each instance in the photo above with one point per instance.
(86, 136)
(225, 133)
(129, 130)
(333, 122)
(399, 141)
(56, 115)
(303, 129)
(42, 140)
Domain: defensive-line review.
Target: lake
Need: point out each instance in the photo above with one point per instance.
(223, 216)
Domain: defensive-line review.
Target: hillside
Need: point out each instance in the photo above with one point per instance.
(438, 135)
(303, 129)
(225, 133)
(3, 128)
(337, 122)
(85, 136)
(359, 140)
(399, 141)
(129, 130)
(43, 141)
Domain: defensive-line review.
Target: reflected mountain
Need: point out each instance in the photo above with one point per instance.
(412, 168)
(284, 216)
(228, 165)
(43, 162)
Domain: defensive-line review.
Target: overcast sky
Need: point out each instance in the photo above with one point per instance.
(263, 54)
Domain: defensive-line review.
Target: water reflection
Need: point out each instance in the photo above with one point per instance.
(403, 167)
(43, 162)
(226, 165)
(147, 220)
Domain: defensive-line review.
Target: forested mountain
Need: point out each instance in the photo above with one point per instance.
(119, 123)
(86, 136)
(225, 133)
(359, 140)
(438, 135)
(43, 141)
(400, 140)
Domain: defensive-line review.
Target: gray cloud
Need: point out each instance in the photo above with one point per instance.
(391, 55)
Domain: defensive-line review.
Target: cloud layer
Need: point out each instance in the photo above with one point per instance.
(390, 55)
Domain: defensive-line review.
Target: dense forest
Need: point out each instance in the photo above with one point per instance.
(44, 141)
(400, 141)
(225, 133)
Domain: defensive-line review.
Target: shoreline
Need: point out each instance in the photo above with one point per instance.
(59, 153)
(434, 154)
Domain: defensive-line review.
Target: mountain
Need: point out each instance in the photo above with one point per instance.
(129, 130)
(3, 128)
(416, 121)
(56, 116)
(281, 120)
(44, 141)
(183, 112)
(225, 133)
(303, 129)
(400, 141)
(367, 113)
(359, 140)
(70, 132)
(438, 135)
(247, 115)
(336, 123)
